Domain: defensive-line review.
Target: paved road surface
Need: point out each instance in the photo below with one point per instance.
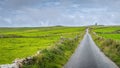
(88, 55)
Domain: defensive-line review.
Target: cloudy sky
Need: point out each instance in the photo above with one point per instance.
(58, 12)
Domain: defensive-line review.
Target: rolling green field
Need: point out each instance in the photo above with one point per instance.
(24, 42)
(108, 40)
(112, 32)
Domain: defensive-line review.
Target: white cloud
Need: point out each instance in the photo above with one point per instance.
(8, 20)
(63, 12)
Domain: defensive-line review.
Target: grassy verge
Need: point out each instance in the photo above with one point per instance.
(57, 55)
(109, 45)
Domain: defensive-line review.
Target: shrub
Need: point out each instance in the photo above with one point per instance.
(55, 56)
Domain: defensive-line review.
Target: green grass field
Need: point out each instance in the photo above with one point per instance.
(112, 32)
(24, 42)
(111, 36)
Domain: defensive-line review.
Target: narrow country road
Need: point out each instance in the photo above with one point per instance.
(88, 55)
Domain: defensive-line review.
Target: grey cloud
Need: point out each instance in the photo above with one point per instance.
(4, 22)
(58, 12)
(17, 4)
